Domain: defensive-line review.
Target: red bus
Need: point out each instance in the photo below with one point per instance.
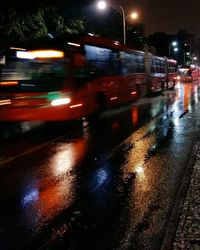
(195, 73)
(75, 77)
(171, 73)
(184, 74)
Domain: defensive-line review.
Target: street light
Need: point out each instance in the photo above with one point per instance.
(102, 5)
(174, 43)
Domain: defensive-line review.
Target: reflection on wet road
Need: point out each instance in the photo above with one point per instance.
(109, 185)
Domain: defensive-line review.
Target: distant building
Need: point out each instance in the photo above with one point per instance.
(186, 50)
(135, 34)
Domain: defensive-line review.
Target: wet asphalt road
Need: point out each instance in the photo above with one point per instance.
(108, 183)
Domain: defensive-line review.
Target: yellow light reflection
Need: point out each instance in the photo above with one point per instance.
(187, 92)
(136, 159)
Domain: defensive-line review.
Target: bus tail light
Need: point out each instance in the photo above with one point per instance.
(60, 101)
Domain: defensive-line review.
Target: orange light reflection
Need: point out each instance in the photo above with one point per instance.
(57, 191)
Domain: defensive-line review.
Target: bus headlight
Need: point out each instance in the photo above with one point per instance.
(60, 101)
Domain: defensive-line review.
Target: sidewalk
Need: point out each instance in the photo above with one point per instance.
(188, 230)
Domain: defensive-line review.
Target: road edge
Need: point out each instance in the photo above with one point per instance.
(173, 221)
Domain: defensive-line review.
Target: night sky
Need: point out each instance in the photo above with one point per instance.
(167, 16)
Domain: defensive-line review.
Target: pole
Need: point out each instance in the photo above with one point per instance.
(124, 24)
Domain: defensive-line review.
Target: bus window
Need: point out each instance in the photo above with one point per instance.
(115, 63)
(98, 61)
(158, 70)
(140, 63)
(153, 66)
(131, 63)
(34, 75)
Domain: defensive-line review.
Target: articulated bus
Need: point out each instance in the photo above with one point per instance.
(70, 78)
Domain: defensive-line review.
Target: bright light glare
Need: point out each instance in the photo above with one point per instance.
(134, 15)
(60, 101)
(175, 49)
(174, 43)
(25, 55)
(101, 5)
(139, 170)
(47, 53)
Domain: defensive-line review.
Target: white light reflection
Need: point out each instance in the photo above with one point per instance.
(67, 156)
(152, 127)
(99, 178)
(196, 94)
(156, 109)
(30, 197)
(143, 179)
(64, 160)
(139, 170)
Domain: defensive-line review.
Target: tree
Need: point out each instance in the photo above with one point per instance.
(21, 28)
(59, 23)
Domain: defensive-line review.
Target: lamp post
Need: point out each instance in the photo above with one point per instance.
(124, 24)
(102, 5)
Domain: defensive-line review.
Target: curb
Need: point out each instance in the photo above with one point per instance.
(173, 221)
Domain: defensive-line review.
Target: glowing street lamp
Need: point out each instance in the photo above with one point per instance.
(175, 49)
(102, 5)
(174, 44)
(134, 15)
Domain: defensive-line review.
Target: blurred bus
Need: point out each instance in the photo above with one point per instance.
(184, 74)
(195, 73)
(68, 78)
